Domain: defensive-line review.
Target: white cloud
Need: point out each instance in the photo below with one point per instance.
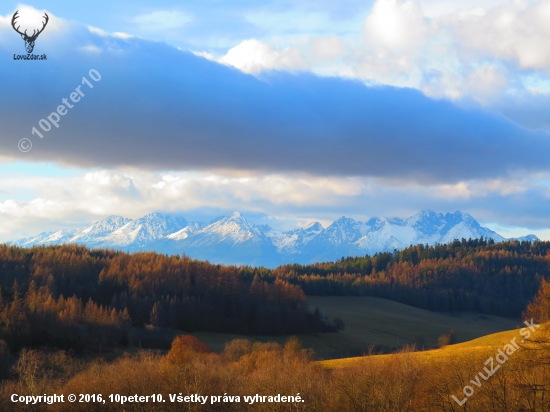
(475, 188)
(327, 47)
(97, 30)
(486, 83)
(5, 21)
(395, 26)
(516, 32)
(94, 195)
(253, 56)
(103, 33)
(395, 34)
(206, 55)
(437, 8)
(290, 199)
(31, 19)
(477, 49)
(116, 192)
(122, 35)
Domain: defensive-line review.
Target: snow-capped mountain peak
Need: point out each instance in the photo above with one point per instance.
(315, 226)
(233, 228)
(145, 230)
(32, 240)
(99, 229)
(61, 236)
(186, 231)
(234, 239)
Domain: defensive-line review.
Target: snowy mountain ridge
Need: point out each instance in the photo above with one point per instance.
(235, 240)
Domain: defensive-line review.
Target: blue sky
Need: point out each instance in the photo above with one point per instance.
(288, 111)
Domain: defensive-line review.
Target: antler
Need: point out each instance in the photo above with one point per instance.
(34, 33)
(15, 16)
(43, 25)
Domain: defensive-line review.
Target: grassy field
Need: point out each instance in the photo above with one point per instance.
(476, 348)
(374, 321)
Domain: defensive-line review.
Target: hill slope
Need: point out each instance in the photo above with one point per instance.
(485, 345)
(374, 321)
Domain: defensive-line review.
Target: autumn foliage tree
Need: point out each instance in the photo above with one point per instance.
(465, 275)
(185, 347)
(70, 296)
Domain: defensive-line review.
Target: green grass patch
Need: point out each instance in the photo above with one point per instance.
(375, 321)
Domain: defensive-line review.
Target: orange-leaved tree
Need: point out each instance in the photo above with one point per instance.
(185, 347)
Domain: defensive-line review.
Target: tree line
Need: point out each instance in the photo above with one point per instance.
(70, 296)
(465, 275)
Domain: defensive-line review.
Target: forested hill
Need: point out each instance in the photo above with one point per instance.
(69, 296)
(467, 275)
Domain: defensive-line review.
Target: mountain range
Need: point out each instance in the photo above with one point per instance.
(235, 240)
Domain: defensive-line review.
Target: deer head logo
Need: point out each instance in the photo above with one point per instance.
(29, 40)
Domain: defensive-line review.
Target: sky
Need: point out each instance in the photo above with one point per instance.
(287, 111)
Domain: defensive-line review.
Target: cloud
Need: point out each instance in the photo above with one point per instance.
(92, 195)
(438, 8)
(327, 47)
(480, 50)
(253, 56)
(122, 35)
(157, 107)
(394, 37)
(282, 144)
(103, 33)
(206, 55)
(30, 19)
(486, 83)
(517, 32)
(97, 30)
(395, 25)
(32, 203)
